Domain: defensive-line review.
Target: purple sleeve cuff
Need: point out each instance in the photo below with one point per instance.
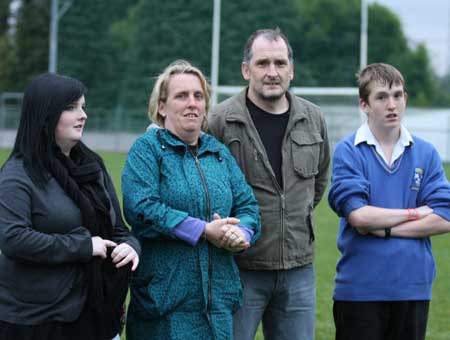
(190, 230)
(247, 232)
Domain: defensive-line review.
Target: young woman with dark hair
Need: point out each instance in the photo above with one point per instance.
(66, 254)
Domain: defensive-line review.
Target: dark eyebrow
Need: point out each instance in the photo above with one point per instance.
(266, 60)
(381, 93)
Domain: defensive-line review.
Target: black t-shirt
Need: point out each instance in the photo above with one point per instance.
(271, 128)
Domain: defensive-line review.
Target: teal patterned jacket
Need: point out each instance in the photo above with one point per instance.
(181, 291)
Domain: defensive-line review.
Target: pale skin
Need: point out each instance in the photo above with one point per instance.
(269, 73)
(224, 233)
(68, 133)
(384, 108)
(185, 107)
(184, 111)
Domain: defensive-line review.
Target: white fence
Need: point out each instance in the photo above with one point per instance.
(430, 124)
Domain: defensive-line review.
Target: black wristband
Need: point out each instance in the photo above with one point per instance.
(387, 232)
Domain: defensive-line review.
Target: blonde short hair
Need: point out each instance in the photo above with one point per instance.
(160, 90)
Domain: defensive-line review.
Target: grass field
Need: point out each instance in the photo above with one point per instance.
(326, 257)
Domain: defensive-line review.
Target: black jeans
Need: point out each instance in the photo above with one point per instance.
(380, 320)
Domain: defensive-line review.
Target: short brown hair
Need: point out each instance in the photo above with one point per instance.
(378, 73)
(160, 90)
(271, 34)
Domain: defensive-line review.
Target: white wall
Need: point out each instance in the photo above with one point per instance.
(432, 125)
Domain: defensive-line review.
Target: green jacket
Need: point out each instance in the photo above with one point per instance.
(180, 291)
(287, 239)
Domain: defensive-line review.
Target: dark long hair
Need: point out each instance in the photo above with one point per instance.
(82, 178)
(45, 98)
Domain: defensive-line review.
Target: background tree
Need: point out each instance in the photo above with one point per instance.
(239, 20)
(388, 44)
(117, 48)
(164, 32)
(4, 16)
(89, 50)
(327, 45)
(6, 48)
(182, 30)
(30, 42)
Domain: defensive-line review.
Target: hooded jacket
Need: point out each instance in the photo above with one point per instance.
(182, 291)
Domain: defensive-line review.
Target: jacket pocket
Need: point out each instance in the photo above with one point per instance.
(234, 145)
(306, 152)
(158, 295)
(158, 292)
(250, 162)
(232, 292)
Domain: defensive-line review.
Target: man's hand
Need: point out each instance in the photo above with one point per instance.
(423, 211)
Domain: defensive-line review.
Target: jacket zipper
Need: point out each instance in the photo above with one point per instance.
(208, 214)
(283, 207)
(283, 195)
(281, 191)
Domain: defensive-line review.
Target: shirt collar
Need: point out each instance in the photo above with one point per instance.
(363, 134)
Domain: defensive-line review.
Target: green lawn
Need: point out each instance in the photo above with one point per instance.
(326, 257)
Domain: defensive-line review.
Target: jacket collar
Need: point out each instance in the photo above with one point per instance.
(206, 142)
(240, 112)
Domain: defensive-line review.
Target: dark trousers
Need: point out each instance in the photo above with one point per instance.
(380, 320)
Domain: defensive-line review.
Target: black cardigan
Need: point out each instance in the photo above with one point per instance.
(43, 248)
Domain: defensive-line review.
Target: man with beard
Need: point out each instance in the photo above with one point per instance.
(280, 142)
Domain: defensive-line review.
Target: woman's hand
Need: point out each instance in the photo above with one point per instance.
(216, 229)
(123, 254)
(234, 239)
(224, 233)
(99, 246)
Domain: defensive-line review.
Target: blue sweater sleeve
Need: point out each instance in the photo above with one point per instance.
(143, 208)
(190, 230)
(435, 188)
(349, 188)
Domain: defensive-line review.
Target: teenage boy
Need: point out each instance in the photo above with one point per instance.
(391, 193)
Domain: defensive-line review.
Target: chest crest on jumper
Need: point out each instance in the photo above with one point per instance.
(417, 180)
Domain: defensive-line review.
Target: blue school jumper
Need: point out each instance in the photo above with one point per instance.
(373, 268)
